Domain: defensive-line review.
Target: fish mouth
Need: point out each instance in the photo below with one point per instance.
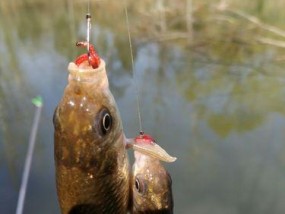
(154, 151)
(97, 76)
(86, 68)
(150, 149)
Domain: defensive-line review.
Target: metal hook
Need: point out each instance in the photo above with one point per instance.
(88, 19)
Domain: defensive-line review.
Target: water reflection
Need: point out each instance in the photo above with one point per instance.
(216, 104)
(234, 97)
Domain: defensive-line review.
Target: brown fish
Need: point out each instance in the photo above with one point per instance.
(92, 174)
(150, 182)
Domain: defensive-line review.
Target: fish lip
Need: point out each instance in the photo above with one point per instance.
(72, 67)
(87, 74)
(149, 149)
(96, 76)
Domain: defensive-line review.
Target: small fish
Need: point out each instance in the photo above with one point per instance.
(92, 170)
(150, 182)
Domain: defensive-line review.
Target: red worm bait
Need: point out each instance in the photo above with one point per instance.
(92, 57)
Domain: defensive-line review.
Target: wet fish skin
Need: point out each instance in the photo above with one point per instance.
(151, 186)
(92, 173)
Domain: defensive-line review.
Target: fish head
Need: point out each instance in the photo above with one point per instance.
(86, 120)
(151, 186)
(151, 183)
(90, 158)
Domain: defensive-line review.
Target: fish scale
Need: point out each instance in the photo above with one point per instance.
(81, 151)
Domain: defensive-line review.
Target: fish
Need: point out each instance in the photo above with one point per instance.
(151, 184)
(91, 163)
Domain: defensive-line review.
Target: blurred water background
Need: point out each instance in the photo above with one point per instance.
(212, 84)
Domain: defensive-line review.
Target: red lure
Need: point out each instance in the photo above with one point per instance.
(92, 57)
(144, 138)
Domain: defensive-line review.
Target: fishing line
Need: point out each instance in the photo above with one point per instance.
(88, 6)
(133, 70)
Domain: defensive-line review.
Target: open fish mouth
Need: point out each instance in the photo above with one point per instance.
(150, 148)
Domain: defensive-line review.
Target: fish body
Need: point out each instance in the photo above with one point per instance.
(150, 182)
(92, 171)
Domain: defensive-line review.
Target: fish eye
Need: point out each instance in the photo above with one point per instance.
(103, 122)
(139, 185)
(106, 122)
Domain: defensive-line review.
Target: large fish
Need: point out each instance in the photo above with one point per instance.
(150, 182)
(92, 173)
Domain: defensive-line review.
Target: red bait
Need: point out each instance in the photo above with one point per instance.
(92, 57)
(144, 138)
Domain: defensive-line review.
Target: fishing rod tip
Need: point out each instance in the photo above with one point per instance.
(37, 101)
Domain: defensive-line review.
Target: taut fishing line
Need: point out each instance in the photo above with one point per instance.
(88, 18)
(133, 69)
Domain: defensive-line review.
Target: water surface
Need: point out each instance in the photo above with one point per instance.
(217, 105)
